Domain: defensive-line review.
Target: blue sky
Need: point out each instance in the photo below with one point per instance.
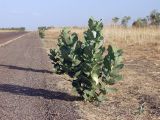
(34, 13)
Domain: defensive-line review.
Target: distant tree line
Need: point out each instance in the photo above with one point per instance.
(152, 20)
(44, 28)
(14, 28)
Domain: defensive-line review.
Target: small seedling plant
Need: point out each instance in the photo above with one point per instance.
(92, 71)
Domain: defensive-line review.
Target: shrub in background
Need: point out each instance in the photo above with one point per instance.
(41, 31)
(91, 70)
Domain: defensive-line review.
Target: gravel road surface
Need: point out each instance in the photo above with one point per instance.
(27, 90)
(5, 36)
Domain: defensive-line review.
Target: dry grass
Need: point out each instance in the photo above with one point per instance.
(8, 30)
(141, 84)
(51, 36)
(131, 36)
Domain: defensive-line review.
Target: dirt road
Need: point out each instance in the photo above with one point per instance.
(28, 89)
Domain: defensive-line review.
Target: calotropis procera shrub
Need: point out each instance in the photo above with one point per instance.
(85, 62)
(41, 32)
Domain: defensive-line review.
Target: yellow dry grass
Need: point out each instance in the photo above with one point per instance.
(130, 36)
(113, 35)
(8, 30)
(141, 84)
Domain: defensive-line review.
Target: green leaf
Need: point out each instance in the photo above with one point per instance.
(120, 66)
(85, 63)
(101, 98)
(111, 90)
(95, 77)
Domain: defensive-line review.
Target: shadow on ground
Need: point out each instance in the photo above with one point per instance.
(26, 69)
(27, 91)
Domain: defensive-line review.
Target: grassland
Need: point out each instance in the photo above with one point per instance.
(138, 97)
(9, 30)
